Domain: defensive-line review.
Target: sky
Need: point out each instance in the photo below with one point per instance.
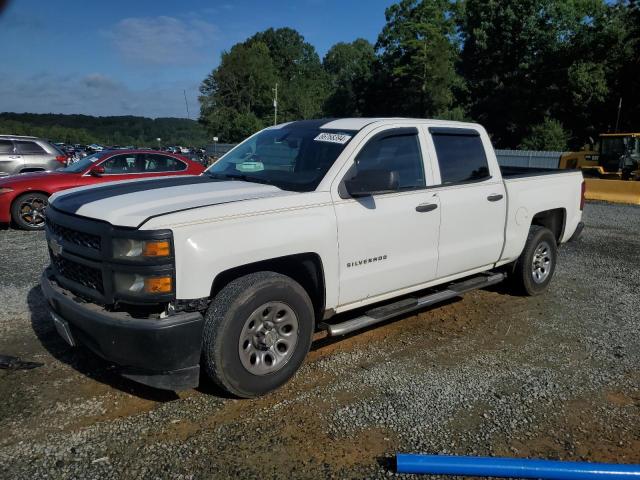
(136, 57)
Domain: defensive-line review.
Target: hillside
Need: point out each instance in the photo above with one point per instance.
(85, 129)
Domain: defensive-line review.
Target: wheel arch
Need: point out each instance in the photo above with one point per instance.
(304, 268)
(27, 192)
(554, 219)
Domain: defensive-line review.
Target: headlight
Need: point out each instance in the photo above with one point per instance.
(5, 190)
(128, 248)
(137, 284)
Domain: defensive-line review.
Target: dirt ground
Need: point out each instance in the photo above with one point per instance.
(553, 377)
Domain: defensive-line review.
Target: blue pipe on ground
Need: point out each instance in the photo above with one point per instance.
(513, 467)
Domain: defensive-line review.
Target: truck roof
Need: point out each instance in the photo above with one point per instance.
(359, 123)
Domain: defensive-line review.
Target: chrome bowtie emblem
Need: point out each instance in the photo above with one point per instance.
(54, 245)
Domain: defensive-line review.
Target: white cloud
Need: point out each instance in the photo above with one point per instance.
(164, 40)
(94, 94)
(100, 82)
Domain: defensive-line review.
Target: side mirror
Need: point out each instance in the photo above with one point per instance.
(371, 182)
(96, 171)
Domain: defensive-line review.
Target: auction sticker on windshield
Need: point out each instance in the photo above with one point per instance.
(341, 138)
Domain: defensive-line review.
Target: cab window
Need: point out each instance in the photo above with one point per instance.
(396, 151)
(461, 155)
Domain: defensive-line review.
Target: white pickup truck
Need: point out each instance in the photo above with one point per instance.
(234, 271)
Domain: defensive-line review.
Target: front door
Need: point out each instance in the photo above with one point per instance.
(388, 241)
(10, 161)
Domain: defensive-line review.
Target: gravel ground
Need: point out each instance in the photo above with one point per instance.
(492, 374)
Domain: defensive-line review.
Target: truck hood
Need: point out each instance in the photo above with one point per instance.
(131, 203)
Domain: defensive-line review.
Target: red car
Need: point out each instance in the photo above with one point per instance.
(24, 196)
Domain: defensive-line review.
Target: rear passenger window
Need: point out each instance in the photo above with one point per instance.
(29, 148)
(461, 156)
(6, 146)
(161, 163)
(399, 153)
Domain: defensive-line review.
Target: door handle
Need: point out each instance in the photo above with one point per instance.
(426, 207)
(495, 197)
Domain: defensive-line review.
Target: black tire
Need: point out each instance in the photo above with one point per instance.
(226, 320)
(523, 279)
(24, 220)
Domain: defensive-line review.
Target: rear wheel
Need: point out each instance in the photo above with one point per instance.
(27, 211)
(257, 333)
(537, 263)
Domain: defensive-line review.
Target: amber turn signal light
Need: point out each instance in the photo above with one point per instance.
(156, 248)
(158, 285)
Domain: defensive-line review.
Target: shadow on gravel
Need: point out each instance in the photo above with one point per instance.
(388, 464)
(81, 359)
(207, 387)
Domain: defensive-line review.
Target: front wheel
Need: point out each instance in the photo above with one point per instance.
(537, 263)
(27, 211)
(257, 333)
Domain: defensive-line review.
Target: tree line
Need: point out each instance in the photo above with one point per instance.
(539, 74)
(122, 130)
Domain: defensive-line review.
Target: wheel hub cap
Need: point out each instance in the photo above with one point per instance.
(541, 262)
(32, 211)
(268, 338)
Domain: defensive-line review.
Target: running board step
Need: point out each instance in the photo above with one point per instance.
(386, 312)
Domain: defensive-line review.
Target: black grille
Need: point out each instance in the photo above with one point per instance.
(72, 236)
(86, 276)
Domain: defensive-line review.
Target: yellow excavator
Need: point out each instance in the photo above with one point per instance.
(617, 157)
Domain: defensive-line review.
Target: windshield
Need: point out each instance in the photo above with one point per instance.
(290, 157)
(634, 148)
(81, 165)
(613, 145)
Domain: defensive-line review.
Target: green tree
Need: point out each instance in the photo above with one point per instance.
(516, 58)
(350, 68)
(623, 64)
(302, 83)
(418, 51)
(548, 135)
(236, 97)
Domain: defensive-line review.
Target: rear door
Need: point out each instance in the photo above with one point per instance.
(472, 197)
(389, 241)
(10, 161)
(34, 157)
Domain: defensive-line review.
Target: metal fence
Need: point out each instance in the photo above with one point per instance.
(219, 149)
(528, 158)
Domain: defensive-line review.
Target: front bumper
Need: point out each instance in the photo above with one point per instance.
(5, 206)
(162, 353)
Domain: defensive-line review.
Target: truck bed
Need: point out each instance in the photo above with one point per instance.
(518, 172)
